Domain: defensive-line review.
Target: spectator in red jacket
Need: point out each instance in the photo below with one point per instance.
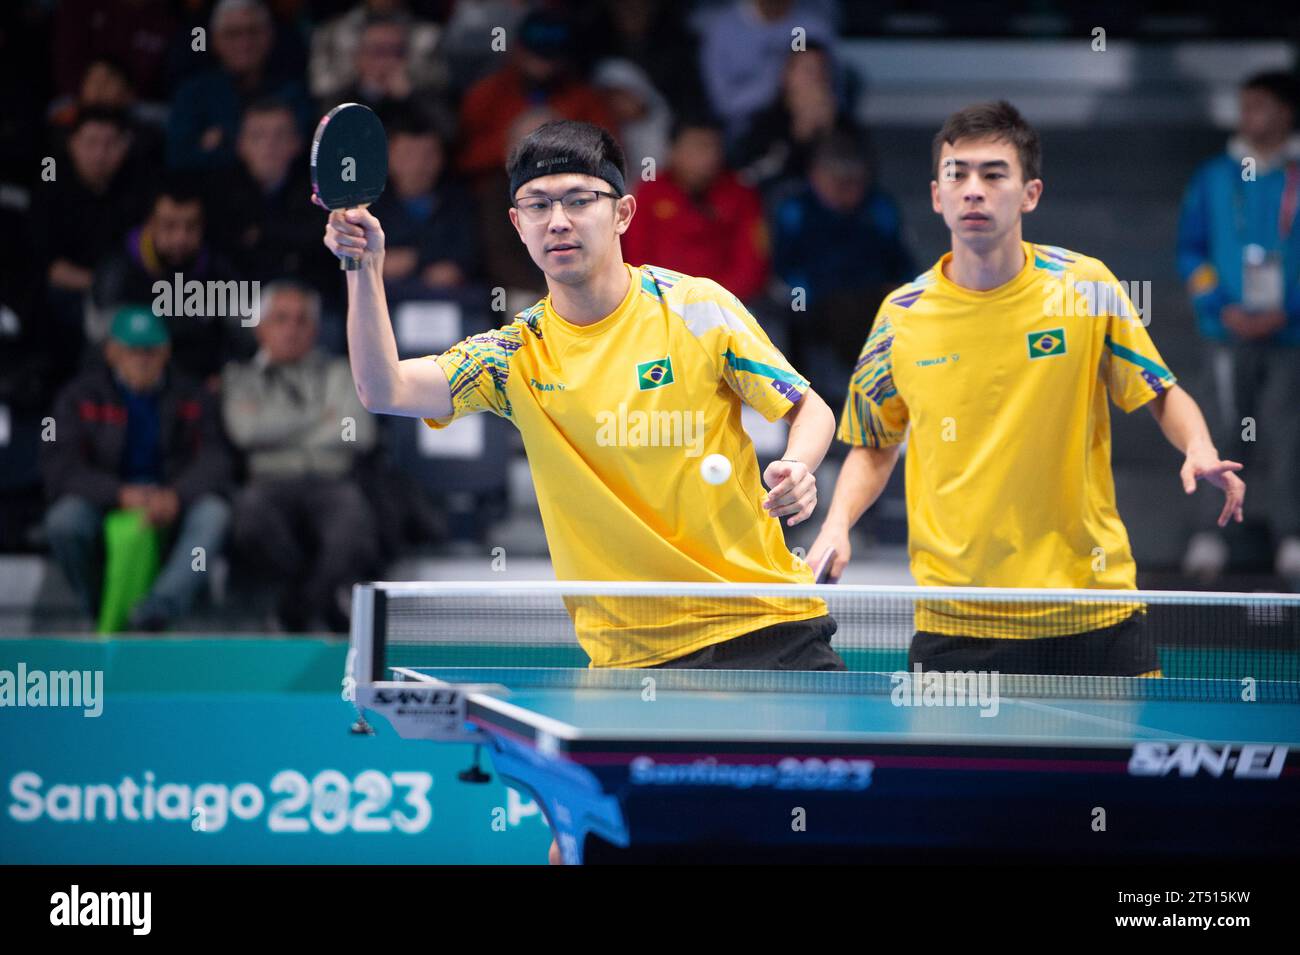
(696, 217)
(540, 73)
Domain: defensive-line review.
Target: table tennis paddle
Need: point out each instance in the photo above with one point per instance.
(349, 162)
(823, 575)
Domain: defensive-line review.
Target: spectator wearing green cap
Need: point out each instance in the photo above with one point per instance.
(135, 434)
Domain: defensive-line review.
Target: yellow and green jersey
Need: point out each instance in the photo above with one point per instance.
(616, 417)
(1001, 396)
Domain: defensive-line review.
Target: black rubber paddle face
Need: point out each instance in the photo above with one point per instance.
(349, 158)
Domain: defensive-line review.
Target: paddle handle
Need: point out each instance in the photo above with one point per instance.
(347, 264)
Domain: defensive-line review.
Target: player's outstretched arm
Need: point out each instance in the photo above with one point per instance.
(1183, 424)
(416, 387)
(863, 478)
(812, 428)
(793, 493)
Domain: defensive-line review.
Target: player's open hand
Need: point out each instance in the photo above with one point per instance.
(793, 491)
(350, 233)
(1206, 466)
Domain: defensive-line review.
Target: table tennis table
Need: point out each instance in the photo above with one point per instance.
(832, 766)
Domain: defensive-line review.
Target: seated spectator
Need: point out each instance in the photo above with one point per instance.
(839, 232)
(462, 45)
(428, 218)
(775, 151)
(134, 433)
(301, 519)
(335, 46)
(839, 240)
(206, 109)
(641, 112)
(291, 25)
(80, 217)
(105, 84)
(384, 74)
(171, 242)
(744, 46)
(135, 33)
(541, 72)
(266, 225)
(696, 217)
(650, 34)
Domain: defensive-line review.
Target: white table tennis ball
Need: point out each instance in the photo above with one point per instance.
(715, 469)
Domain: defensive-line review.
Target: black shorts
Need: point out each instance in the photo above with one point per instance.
(798, 645)
(1123, 649)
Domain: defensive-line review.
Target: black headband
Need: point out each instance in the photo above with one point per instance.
(555, 165)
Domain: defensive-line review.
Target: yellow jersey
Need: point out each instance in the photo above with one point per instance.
(616, 418)
(1001, 396)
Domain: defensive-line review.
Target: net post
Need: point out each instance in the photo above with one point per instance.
(369, 615)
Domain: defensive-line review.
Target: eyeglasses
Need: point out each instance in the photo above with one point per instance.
(538, 208)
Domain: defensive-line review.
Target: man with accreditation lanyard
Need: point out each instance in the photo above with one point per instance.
(995, 367)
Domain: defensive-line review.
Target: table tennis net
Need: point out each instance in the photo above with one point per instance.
(1204, 645)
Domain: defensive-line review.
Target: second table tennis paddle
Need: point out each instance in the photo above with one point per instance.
(823, 575)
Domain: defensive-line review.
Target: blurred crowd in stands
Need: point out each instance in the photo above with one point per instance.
(177, 135)
(147, 141)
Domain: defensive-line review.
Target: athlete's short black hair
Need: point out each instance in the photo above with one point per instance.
(996, 120)
(566, 145)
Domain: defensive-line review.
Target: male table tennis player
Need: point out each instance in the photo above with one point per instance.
(621, 381)
(999, 360)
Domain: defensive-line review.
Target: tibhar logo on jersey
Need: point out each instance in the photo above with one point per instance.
(1046, 343)
(941, 360)
(654, 374)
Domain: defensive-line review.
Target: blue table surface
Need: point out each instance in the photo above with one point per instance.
(858, 706)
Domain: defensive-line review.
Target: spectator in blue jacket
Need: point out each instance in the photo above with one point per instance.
(429, 217)
(838, 244)
(206, 110)
(1239, 253)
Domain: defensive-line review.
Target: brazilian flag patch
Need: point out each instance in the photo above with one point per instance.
(1046, 343)
(654, 374)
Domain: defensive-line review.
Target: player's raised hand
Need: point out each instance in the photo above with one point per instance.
(793, 491)
(351, 232)
(1206, 466)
